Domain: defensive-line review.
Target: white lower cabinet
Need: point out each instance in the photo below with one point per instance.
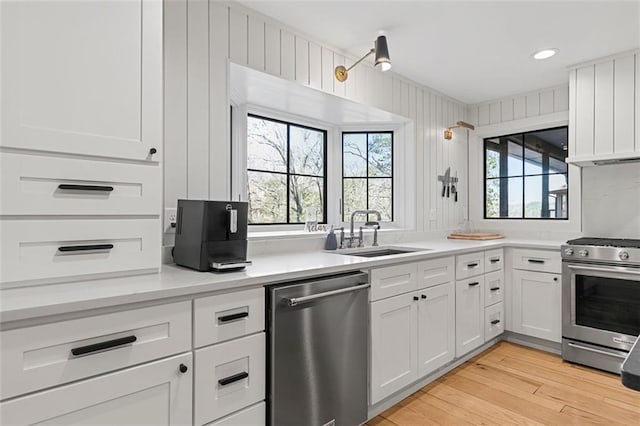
(394, 341)
(537, 304)
(469, 314)
(436, 327)
(157, 393)
(255, 415)
(493, 321)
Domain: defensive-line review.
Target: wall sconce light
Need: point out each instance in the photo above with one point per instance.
(448, 132)
(381, 50)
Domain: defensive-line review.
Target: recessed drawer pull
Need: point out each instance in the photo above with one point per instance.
(109, 344)
(494, 322)
(234, 378)
(86, 247)
(99, 188)
(494, 260)
(472, 265)
(494, 288)
(473, 284)
(233, 317)
(539, 261)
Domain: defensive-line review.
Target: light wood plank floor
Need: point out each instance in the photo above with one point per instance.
(512, 384)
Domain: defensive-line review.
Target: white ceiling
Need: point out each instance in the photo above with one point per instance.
(473, 50)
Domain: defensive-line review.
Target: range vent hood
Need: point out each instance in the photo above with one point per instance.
(604, 160)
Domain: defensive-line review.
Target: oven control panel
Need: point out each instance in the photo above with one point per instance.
(616, 255)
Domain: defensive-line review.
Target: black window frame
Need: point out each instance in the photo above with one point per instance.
(288, 174)
(367, 178)
(523, 176)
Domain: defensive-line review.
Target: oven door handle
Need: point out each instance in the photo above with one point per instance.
(598, 351)
(596, 269)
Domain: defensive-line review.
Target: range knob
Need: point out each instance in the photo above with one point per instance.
(623, 255)
(568, 251)
(584, 253)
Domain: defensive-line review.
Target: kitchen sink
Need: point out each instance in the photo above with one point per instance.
(379, 252)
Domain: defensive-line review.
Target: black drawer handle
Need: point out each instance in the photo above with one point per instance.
(99, 188)
(539, 261)
(233, 317)
(86, 248)
(494, 322)
(471, 265)
(424, 296)
(109, 344)
(494, 288)
(473, 284)
(234, 378)
(495, 260)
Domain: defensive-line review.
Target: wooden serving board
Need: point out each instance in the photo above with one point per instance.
(475, 236)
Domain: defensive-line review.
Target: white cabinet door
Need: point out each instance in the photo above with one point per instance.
(469, 314)
(83, 77)
(394, 339)
(436, 327)
(157, 393)
(537, 305)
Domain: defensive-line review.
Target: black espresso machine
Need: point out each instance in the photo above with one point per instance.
(211, 235)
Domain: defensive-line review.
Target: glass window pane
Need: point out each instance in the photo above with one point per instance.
(504, 156)
(307, 151)
(380, 198)
(354, 150)
(504, 197)
(266, 145)
(354, 196)
(306, 198)
(532, 162)
(558, 196)
(533, 197)
(514, 163)
(492, 163)
(557, 165)
(267, 197)
(380, 154)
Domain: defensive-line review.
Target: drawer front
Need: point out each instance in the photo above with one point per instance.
(494, 321)
(494, 260)
(40, 185)
(537, 260)
(469, 265)
(227, 316)
(38, 249)
(435, 272)
(493, 288)
(229, 377)
(48, 355)
(393, 280)
(253, 416)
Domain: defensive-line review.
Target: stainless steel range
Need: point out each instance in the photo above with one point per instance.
(600, 301)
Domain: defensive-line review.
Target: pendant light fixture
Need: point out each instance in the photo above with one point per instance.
(381, 50)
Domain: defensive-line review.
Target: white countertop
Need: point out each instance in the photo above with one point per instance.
(173, 281)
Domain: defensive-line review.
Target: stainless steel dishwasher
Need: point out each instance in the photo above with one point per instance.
(317, 351)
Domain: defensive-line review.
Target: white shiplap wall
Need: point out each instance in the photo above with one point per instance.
(201, 37)
(520, 107)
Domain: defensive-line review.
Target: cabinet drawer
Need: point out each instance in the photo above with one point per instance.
(252, 416)
(393, 280)
(469, 265)
(229, 377)
(493, 260)
(537, 260)
(47, 355)
(493, 288)
(494, 321)
(39, 249)
(435, 272)
(156, 393)
(40, 185)
(227, 316)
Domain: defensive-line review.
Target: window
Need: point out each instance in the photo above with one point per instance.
(526, 176)
(367, 173)
(286, 172)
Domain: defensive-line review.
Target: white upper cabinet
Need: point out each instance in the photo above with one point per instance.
(83, 77)
(604, 112)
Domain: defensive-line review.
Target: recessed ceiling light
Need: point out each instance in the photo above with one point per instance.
(545, 53)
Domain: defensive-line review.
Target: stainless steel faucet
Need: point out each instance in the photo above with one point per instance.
(368, 225)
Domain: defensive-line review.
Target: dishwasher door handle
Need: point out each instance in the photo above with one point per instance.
(294, 301)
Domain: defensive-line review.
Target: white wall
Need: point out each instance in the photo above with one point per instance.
(611, 201)
(197, 56)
